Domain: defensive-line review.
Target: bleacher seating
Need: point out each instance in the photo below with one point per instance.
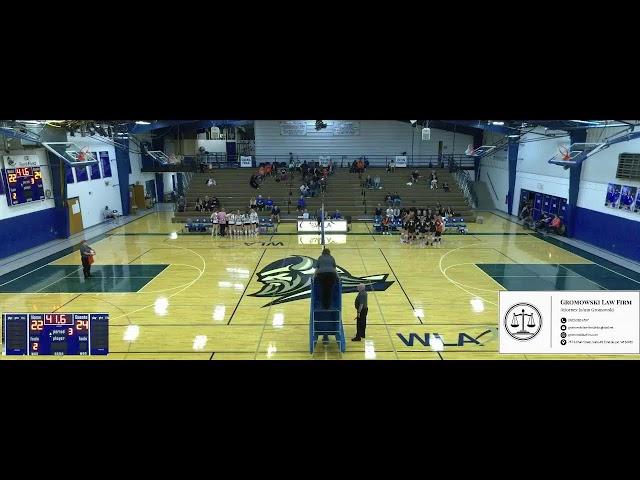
(344, 192)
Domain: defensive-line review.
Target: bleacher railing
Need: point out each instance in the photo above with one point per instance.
(221, 160)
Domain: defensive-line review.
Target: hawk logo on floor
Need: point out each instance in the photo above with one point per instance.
(289, 279)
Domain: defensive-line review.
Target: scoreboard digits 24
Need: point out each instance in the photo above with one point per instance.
(24, 184)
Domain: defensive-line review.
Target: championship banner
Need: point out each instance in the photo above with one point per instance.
(401, 161)
(246, 162)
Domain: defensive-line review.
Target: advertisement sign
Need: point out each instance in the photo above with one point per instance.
(246, 162)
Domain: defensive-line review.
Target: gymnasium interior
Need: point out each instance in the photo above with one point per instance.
(525, 206)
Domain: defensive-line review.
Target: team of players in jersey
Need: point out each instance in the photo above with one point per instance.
(421, 226)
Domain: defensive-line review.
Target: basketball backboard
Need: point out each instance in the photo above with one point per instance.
(481, 151)
(159, 156)
(72, 153)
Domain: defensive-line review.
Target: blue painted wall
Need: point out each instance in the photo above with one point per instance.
(616, 234)
(32, 229)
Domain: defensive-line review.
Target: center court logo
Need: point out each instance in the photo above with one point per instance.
(522, 321)
(289, 279)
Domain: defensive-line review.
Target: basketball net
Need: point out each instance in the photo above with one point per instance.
(84, 155)
(469, 151)
(564, 151)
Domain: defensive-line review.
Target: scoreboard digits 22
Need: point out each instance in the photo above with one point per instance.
(24, 184)
(55, 333)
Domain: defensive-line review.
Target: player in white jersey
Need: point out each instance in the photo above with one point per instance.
(214, 223)
(255, 220)
(239, 223)
(246, 224)
(231, 221)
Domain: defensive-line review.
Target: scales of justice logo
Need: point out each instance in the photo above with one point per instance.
(289, 279)
(523, 321)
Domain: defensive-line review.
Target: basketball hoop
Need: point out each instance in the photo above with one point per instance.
(564, 152)
(469, 151)
(84, 154)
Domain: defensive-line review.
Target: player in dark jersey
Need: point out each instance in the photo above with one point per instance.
(411, 229)
(422, 231)
(432, 232)
(439, 230)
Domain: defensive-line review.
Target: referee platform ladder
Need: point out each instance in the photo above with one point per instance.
(326, 322)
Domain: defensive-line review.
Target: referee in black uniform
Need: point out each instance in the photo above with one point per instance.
(362, 310)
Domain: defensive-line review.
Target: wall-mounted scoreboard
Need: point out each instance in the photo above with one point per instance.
(55, 333)
(24, 185)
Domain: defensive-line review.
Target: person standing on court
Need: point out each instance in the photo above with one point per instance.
(86, 255)
(362, 310)
(327, 276)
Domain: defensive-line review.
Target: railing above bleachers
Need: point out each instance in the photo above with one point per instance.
(194, 163)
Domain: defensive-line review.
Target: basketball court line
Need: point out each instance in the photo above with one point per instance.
(141, 255)
(247, 286)
(455, 283)
(400, 285)
(66, 303)
(204, 262)
(53, 283)
(375, 296)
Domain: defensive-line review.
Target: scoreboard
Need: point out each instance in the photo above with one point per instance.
(55, 333)
(24, 184)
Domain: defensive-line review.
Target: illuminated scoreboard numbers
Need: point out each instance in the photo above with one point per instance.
(56, 334)
(24, 185)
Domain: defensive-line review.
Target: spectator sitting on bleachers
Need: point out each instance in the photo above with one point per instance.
(378, 213)
(396, 199)
(368, 183)
(449, 212)
(415, 176)
(198, 205)
(445, 187)
(275, 214)
(210, 182)
(260, 203)
(253, 181)
(323, 185)
(301, 204)
(181, 205)
(305, 191)
(336, 215)
(388, 199)
(305, 214)
(434, 181)
(215, 202)
(392, 166)
(268, 203)
(376, 182)
(389, 212)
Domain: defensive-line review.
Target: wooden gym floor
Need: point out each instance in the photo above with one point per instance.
(187, 296)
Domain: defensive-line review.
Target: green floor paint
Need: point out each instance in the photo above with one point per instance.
(69, 279)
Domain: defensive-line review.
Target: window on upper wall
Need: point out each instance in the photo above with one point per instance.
(81, 174)
(94, 170)
(628, 166)
(68, 173)
(106, 166)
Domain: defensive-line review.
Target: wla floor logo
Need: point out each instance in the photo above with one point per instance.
(289, 279)
(437, 341)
